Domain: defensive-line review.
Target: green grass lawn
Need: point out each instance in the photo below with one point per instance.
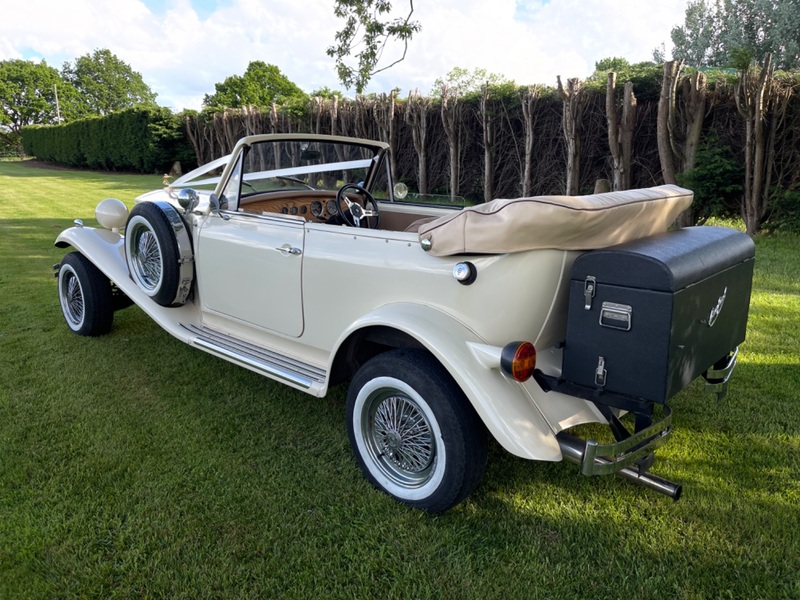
(132, 465)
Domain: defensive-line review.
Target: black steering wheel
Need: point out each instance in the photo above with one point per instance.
(355, 212)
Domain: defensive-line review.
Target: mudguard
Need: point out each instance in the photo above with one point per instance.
(509, 409)
(106, 249)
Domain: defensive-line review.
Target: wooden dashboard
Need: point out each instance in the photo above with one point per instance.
(316, 207)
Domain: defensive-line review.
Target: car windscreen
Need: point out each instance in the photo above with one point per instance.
(304, 165)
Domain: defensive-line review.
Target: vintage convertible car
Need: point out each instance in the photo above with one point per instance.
(298, 258)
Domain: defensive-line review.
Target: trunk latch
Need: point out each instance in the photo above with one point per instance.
(589, 286)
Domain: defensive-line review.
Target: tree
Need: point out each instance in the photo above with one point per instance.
(452, 119)
(645, 76)
(463, 82)
(530, 100)
(573, 101)
(365, 28)
(27, 97)
(697, 41)
(762, 101)
(620, 131)
(417, 119)
(261, 85)
(714, 30)
(681, 110)
(107, 84)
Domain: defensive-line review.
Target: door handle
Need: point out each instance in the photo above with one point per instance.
(287, 249)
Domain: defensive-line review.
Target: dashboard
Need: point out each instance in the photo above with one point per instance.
(310, 208)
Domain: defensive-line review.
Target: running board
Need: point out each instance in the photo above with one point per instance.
(247, 354)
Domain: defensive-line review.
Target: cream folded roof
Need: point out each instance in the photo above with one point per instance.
(560, 222)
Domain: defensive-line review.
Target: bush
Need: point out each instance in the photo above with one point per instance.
(717, 181)
(785, 213)
(139, 139)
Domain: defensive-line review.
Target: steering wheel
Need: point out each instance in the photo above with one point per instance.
(355, 212)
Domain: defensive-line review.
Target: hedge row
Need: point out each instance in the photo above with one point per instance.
(143, 140)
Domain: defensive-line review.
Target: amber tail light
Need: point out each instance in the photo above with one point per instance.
(518, 359)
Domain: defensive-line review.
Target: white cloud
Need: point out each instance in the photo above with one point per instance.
(182, 56)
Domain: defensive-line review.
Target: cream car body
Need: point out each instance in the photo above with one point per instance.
(308, 302)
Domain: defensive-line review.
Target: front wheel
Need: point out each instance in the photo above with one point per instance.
(85, 296)
(414, 433)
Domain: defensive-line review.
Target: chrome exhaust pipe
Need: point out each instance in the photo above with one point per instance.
(573, 450)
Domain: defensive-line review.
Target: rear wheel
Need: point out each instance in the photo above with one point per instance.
(85, 296)
(414, 433)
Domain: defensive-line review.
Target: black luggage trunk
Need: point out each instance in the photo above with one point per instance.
(648, 317)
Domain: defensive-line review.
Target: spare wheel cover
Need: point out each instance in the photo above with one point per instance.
(158, 249)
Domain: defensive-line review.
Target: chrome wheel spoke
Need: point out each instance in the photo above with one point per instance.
(403, 436)
(148, 259)
(73, 298)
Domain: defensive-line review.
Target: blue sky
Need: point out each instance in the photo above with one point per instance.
(183, 47)
(203, 8)
(526, 10)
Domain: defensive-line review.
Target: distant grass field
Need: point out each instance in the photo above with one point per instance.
(134, 466)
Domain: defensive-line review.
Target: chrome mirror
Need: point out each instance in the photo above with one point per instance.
(400, 190)
(218, 207)
(188, 199)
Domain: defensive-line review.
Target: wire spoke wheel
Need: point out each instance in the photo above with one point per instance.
(158, 250)
(72, 302)
(146, 259)
(85, 296)
(399, 437)
(413, 432)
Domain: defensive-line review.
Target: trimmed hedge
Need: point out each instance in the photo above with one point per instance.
(138, 139)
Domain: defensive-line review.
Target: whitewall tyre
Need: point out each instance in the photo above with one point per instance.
(413, 432)
(158, 252)
(85, 296)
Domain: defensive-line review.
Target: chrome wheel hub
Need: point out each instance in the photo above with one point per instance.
(402, 438)
(72, 299)
(147, 259)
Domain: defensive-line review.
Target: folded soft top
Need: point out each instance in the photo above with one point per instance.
(560, 222)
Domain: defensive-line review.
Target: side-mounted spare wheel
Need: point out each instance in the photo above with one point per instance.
(85, 296)
(159, 252)
(413, 431)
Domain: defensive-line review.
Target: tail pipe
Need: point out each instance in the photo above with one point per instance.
(574, 449)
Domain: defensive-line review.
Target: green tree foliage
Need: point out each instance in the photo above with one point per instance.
(141, 139)
(463, 82)
(646, 76)
(107, 84)
(716, 181)
(261, 85)
(27, 97)
(717, 32)
(327, 93)
(367, 27)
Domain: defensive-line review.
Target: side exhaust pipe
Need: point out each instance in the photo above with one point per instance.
(574, 450)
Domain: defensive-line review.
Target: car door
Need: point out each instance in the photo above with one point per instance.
(249, 268)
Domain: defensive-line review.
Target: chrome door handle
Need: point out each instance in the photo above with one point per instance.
(287, 249)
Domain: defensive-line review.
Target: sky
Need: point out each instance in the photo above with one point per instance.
(183, 47)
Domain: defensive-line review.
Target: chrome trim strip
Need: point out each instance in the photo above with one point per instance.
(185, 252)
(261, 359)
(278, 218)
(264, 368)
